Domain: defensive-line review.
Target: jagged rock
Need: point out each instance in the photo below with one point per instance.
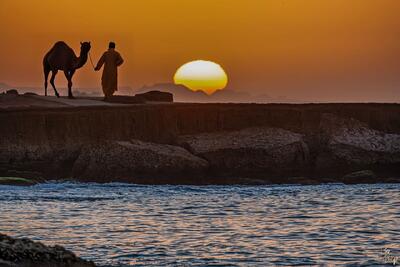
(132, 160)
(351, 145)
(365, 176)
(254, 151)
(157, 96)
(26, 253)
(12, 92)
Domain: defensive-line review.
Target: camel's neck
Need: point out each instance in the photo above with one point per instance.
(81, 60)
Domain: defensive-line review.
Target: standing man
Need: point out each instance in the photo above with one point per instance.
(111, 60)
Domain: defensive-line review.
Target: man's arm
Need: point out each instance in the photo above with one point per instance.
(100, 63)
(120, 60)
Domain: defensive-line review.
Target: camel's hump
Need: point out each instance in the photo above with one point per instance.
(60, 50)
(60, 44)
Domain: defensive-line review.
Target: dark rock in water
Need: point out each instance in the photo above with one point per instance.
(12, 92)
(16, 181)
(31, 175)
(156, 96)
(26, 253)
(365, 176)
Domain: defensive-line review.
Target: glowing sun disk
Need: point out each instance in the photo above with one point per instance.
(201, 75)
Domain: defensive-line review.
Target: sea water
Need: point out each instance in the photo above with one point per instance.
(133, 225)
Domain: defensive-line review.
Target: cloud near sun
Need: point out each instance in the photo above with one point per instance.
(201, 75)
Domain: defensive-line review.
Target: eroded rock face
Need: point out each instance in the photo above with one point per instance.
(38, 161)
(133, 160)
(129, 161)
(26, 253)
(253, 151)
(352, 146)
(321, 142)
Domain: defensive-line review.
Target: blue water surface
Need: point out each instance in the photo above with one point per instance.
(133, 225)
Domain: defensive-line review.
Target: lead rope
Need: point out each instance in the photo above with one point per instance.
(91, 61)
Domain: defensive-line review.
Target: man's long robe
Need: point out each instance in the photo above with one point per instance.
(109, 80)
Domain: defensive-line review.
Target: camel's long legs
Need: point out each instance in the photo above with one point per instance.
(53, 76)
(68, 75)
(46, 70)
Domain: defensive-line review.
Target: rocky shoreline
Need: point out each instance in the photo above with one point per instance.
(24, 252)
(184, 143)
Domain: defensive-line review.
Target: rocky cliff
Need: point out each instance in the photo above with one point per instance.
(202, 143)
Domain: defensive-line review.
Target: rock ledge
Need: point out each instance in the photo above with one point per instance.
(27, 253)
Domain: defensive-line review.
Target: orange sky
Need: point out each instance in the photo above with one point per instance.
(327, 50)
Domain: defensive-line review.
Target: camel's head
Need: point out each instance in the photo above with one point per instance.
(85, 47)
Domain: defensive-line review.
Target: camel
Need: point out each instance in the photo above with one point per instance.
(62, 57)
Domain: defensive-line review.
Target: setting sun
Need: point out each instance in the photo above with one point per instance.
(201, 75)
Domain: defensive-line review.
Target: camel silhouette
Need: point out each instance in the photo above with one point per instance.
(62, 57)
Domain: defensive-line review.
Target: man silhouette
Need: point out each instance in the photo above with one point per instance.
(111, 60)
